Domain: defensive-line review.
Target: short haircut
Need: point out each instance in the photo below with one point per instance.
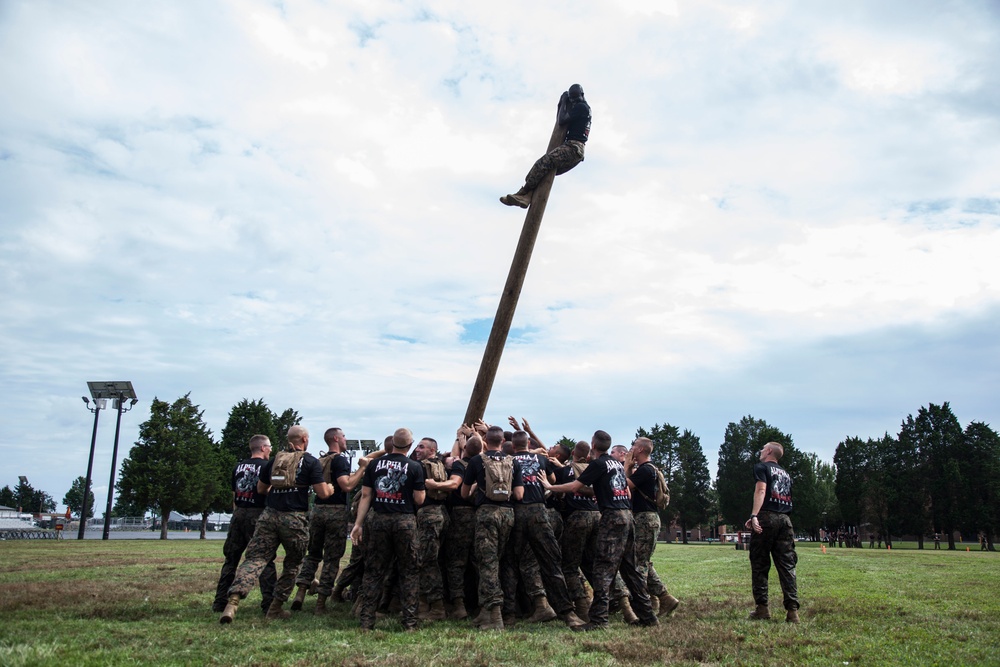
(507, 447)
(258, 442)
(402, 438)
(778, 450)
(644, 445)
(473, 446)
(563, 450)
(520, 440)
(297, 434)
(331, 434)
(432, 441)
(602, 441)
(494, 436)
(582, 450)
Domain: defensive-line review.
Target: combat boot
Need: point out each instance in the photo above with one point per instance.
(761, 613)
(422, 608)
(275, 611)
(516, 199)
(458, 611)
(337, 594)
(627, 614)
(435, 611)
(792, 616)
(495, 619)
(667, 604)
(482, 617)
(571, 619)
(582, 605)
(230, 611)
(543, 612)
(356, 608)
(320, 605)
(300, 596)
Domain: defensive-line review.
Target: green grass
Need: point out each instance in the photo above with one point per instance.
(148, 602)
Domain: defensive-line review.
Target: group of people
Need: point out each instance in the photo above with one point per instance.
(500, 524)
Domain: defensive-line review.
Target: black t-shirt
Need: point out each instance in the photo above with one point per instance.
(645, 481)
(455, 498)
(578, 127)
(607, 476)
(475, 473)
(244, 483)
(574, 501)
(533, 466)
(393, 478)
(778, 497)
(295, 499)
(340, 466)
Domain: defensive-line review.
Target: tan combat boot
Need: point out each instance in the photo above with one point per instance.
(300, 596)
(761, 613)
(571, 619)
(422, 608)
(495, 622)
(458, 611)
(627, 614)
(275, 611)
(230, 611)
(482, 617)
(543, 612)
(667, 604)
(582, 605)
(435, 611)
(320, 605)
(792, 616)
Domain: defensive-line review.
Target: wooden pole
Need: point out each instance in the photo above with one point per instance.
(511, 291)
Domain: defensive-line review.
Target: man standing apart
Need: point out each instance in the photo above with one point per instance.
(772, 534)
(393, 487)
(328, 521)
(574, 115)
(642, 482)
(248, 505)
(615, 536)
(285, 480)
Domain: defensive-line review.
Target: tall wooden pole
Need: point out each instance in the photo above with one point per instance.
(511, 291)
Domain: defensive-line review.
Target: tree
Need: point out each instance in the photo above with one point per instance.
(8, 498)
(933, 442)
(567, 442)
(691, 494)
(982, 475)
(74, 497)
(27, 498)
(737, 457)
(172, 463)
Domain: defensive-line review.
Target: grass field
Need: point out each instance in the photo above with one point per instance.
(148, 602)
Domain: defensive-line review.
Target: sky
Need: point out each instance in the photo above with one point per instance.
(787, 210)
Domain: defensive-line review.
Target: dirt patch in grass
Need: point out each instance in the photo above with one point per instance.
(93, 598)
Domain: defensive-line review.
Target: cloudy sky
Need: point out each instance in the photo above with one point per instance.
(788, 210)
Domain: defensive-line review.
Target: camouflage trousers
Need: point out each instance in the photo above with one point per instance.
(352, 575)
(556, 521)
(457, 545)
(287, 529)
(777, 541)
(494, 524)
(647, 528)
(560, 159)
(241, 529)
(390, 538)
(616, 554)
(579, 545)
(327, 544)
(533, 537)
(432, 521)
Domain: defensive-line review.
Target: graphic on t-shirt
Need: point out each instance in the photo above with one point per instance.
(618, 483)
(389, 487)
(529, 469)
(246, 481)
(781, 485)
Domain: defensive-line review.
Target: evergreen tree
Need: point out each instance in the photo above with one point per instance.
(74, 497)
(173, 462)
(8, 498)
(691, 494)
(981, 471)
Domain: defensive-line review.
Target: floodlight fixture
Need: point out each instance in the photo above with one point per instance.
(24, 480)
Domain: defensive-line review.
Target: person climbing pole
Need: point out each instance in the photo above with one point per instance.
(574, 115)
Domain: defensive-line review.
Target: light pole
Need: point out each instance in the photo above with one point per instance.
(99, 404)
(101, 392)
(114, 457)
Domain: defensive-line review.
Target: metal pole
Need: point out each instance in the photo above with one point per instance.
(114, 462)
(90, 470)
(511, 292)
